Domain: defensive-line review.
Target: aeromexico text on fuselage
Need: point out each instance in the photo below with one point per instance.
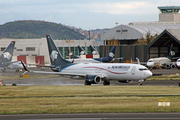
(113, 67)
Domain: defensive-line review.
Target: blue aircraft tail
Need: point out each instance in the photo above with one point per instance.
(81, 51)
(93, 50)
(171, 52)
(111, 54)
(109, 57)
(7, 54)
(55, 56)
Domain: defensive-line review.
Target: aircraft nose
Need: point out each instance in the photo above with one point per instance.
(149, 73)
(149, 64)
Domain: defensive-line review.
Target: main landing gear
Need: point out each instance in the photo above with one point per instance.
(87, 83)
(106, 83)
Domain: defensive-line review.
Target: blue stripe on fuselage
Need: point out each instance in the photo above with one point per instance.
(67, 67)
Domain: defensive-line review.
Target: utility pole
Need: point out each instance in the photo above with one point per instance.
(89, 35)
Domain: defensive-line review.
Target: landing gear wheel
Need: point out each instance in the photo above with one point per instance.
(140, 84)
(87, 83)
(106, 83)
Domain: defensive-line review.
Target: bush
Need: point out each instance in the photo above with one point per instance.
(14, 84)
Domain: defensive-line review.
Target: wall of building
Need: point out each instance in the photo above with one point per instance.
(38, 47)
(169, 17)
(128, 52)
(122, 32)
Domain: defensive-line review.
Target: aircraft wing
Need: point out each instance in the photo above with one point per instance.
(51, 66)
(54, 73)
(9, 63)
(59, 73)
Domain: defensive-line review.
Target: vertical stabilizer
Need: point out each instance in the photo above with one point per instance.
(7, 54)
(171, 52)
(93, 50)
(111, 54)
(55, 56)
(81, 51)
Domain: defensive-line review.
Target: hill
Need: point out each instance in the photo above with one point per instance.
(37, 29)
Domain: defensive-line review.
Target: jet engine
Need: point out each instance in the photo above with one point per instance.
(92, 79)
(173, 66)
(168, 66)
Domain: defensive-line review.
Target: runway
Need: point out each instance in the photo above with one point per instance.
(56, 80)
(95, 116)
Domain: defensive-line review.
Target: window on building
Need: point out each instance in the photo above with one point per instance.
(30, 48)
(19, 49)
(3, 48)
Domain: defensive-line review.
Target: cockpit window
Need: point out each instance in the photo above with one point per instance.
(141, 69)
(178, 60)
(150, 61)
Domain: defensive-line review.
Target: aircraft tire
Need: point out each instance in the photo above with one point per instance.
(87, 83)
(106, 83)
(140, 84)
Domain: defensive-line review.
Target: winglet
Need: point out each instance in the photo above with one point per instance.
(24, 66)
(138, 60)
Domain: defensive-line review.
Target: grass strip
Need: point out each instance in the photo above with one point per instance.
(87, 99)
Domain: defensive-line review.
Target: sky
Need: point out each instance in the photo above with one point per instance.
(85, 14)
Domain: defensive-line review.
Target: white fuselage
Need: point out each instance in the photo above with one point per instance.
(178, 63)
(16, 65)
(157, 61)
(111, 71)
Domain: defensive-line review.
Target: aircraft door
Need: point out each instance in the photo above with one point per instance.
(133, 70)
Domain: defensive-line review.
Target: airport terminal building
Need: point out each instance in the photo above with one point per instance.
(36, 50)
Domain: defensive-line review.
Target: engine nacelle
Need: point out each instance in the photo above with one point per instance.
(168, 66)
(93, 79)
(124, 81)
(173, 66)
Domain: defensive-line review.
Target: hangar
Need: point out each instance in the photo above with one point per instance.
(169, 18)
(129, 34)
(167, 29)
(159, 47)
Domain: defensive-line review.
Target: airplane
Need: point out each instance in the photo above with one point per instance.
(6, 58)
(93, 50)
(81, 52)
(92, 73)
(16, 65)
(72, 56)
(162, 61)
(178, 63)
(108, 58)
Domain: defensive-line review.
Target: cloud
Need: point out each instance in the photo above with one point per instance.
(118, 8)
